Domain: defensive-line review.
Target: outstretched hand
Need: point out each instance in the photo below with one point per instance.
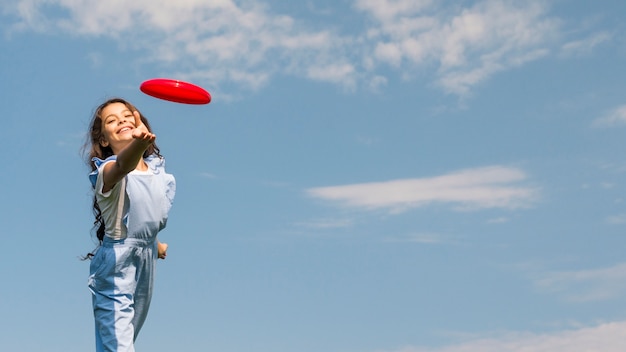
(141, 131)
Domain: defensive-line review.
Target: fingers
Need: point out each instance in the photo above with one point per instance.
(144, 135)
(141, 132)
(137, 118)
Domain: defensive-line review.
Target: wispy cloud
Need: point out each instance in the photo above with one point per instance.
(327, 223)
(246, 43)
(608, 337)
(207, 175)
(586, 285)
(616, 219)
(487, 187)
(616, 116)
(428, 238)
(585, 45)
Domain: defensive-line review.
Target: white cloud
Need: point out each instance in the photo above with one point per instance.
(608, 337)
(246, 43)
(586, 285)
(389, 10)
(467, 45)
(617, 116)
(488, 187)
(336, 73)
(240, 42)
(389, 52)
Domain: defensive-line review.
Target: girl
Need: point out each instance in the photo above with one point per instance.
(132, 197)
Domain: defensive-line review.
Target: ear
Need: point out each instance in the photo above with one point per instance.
(104, 143)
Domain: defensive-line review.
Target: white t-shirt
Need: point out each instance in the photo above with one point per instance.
(113, 204)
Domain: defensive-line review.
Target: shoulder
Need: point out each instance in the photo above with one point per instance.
(99, 163)
(155, 162)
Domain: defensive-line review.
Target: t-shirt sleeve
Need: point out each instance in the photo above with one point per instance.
(95, 177)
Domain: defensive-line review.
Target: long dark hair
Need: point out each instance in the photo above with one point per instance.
(94, 149)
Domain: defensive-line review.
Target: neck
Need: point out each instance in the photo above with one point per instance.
(141, 165)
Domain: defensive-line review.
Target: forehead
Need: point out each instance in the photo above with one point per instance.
(114, 109)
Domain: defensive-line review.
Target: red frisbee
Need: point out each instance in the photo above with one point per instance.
(176, 91)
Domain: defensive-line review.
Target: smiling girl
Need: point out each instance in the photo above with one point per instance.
(132, 197)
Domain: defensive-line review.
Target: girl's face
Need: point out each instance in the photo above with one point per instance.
(118, 123)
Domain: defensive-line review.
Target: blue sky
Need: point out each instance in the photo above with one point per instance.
(371, 175)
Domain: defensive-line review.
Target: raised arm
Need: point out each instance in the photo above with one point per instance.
(129, 156)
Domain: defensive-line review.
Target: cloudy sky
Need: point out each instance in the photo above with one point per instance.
(370, 176)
